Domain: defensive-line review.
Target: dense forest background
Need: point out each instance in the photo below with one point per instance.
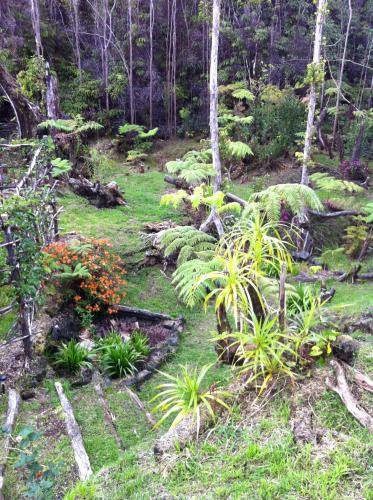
(148, 62)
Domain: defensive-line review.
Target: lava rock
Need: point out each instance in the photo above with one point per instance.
(345, 348)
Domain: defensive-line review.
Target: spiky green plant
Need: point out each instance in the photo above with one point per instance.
(262, 350)
(72, 357)
(184, 394)
(119, 359)
(140, 342)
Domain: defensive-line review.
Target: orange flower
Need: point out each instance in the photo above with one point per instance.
(77, 298)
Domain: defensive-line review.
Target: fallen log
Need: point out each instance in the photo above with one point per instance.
(13, 407)
(99, 195)
(359, 378)
(179, 183)
(340, 213)
(352, 274)
(75, 436)
(140, 404)
(343, 391)
(107, 414)
(141, 313)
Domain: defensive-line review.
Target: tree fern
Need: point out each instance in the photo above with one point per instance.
(193, 168)
(77, 125)
(242, 94)
(295, 196)
(328, 183)
(187, 242)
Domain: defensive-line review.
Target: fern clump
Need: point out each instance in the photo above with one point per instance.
(76, 125)
(297, 197)
(187, 242)
(136, 140)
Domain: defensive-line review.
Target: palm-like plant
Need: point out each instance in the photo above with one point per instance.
(184, 394)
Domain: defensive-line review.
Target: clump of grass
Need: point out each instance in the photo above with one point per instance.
(72, 357)
(140, 342)
(118, 358)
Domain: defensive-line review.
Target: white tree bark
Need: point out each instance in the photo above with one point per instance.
(312, 97)
(76, 25)
(13, 407)
(341, 69)
(35, 18)
(214, 127)
(151, 28)
(132, 111)
(75, 436)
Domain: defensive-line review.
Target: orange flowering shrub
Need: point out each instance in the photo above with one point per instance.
(90, 273)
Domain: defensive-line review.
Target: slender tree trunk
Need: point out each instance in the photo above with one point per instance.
(151, 28)
(356, 152)
(35, 18)
(340, 79)
(132, 111)
(214, 127)
(76, 25)
(312, 101)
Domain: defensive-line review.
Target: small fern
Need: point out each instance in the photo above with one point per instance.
(187, 242)
(60, 167)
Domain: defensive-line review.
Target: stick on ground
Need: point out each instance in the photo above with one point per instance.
(13, 407)
(75, 435)
(343, 391)
(107, 414)
(140, 404)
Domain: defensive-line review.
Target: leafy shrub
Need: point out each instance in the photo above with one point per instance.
(89, 274)
(354, 170)
(118, 358)
(72, 356)
(276, 125)
(300, 298)
(140, 342)
(41, 478)
(184, 395)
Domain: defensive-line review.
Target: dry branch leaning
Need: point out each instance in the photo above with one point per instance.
(75, 436)
(13, 407)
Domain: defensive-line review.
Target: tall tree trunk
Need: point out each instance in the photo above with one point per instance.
(341, 69)
(76, 25)
(151, 28)
(312, 101)
(35, 18)
(214, 127)
(132, 111)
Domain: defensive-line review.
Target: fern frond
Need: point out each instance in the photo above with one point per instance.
(296, 196)
(239, 149)
(173, 199)
(232, 207)
(328, 183)
(242, 94)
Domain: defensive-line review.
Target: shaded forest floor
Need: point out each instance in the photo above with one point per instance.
(251, 454)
